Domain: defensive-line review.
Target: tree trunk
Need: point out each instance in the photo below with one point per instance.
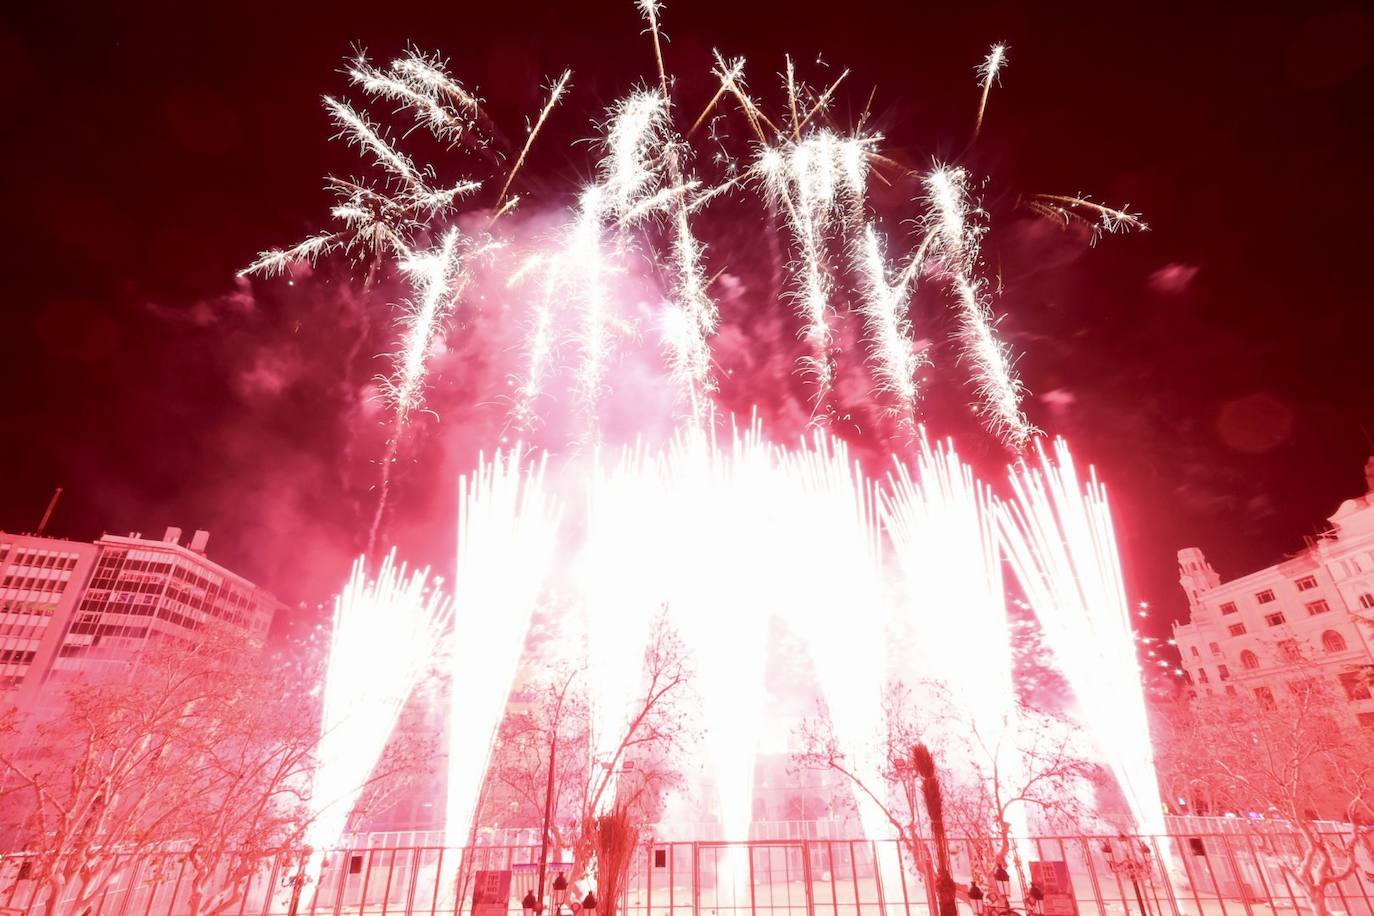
(945, 890)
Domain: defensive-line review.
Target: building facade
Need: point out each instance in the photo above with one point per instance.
(41, 580)
(69, 608)
(1311, 614)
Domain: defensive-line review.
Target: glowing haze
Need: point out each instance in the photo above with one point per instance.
(638, 505)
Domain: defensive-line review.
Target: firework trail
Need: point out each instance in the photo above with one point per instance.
(999, 388)
(436, 278)
(507, 532)
(884, 309)
(1069, 210)
(943, 529)
(988, 72)
(380, 646)
(1059, 540)
(817, 183)
(555, 93)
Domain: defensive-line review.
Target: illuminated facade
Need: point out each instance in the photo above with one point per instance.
(1314, 610)
(70, 608)
(41, 580)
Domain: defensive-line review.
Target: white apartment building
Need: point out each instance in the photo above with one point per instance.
(1312, 611)
(41, 580)
(68, 608)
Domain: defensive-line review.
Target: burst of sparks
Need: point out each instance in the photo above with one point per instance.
(1098, 218)
(638, 128)
(361, 131)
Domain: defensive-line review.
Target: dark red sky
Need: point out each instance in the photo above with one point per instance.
(1217, 368)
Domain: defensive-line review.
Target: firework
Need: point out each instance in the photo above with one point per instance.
(1060, 542)
(817, 183)
(889, 329)
(434, 276)
(381, 644)
(1099, 219)
(988, 72)
(555, 93)
(507, 528)
(998, 386)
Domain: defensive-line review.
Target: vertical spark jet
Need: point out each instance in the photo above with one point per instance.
(831, 497)
(381, 644)
(1060, 542)
(623, 575)
(507, 531)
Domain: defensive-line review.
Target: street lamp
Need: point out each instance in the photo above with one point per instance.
(1131, 864)
(589, 902)
(1003, 882)
(529, 904)
(975, 899)
(1035, 897)
(560, 892)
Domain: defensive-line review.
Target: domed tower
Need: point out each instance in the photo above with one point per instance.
(1195, 574)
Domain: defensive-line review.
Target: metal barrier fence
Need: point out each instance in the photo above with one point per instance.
(1231, 873)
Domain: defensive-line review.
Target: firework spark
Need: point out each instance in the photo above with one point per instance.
(434, 276)
(988, 72)
(1099, 219)
(889, 329)
(380, 646)
(507, 529)
(1059, 539)
(555, 93)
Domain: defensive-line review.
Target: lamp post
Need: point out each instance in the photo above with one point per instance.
(996, 901)
(1132, 864)
(1003, 882)
(529, 904)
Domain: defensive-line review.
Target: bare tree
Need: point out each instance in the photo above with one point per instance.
(1032, 763)
(106, 777)
(197, 753)
(622, 792)
(1292, 753)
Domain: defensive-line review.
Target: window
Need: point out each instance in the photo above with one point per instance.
(1214, 648)
(1223, 673)
(1265, 697)
(1236, 629)
(1356, 685)
(1202, 675)
(1290, 650)
(1265, 597)
(1306, 583)
(1249, 660)
(1333, 641)
(1230, 690)
(1317, 607)
(1228, 607)
(1366, 720)
(1274, 620)
(1367, 600)
(1193, 649)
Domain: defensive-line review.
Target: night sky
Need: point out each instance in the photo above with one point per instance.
(1216, 369)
